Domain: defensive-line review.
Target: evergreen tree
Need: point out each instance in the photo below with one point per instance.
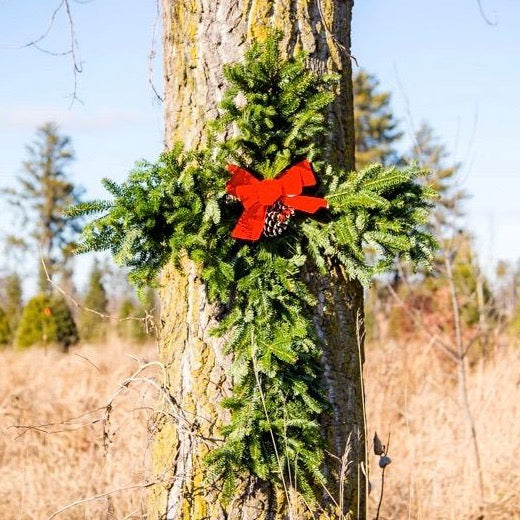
(44, 192)
(472, 286)
(11, 297)
(431, 154)
(376, 129)
(92, 327)
(46, 320)
(5, 329)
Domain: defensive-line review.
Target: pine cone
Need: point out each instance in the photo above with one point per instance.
(277, 219)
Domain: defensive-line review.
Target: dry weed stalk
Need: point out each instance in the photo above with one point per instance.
(462, 374)
(381, 450)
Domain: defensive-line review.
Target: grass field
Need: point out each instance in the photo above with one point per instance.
(61, 448)
(412, 393)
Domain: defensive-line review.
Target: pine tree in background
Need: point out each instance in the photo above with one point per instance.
(46, 320)
(376, 129)
(5, 329)
(11, 297)
(66, 329)
(430, 153)
(471, 284)
(93, 327)
(44, 191)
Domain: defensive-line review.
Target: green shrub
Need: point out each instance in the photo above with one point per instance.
(5, 329)
(11, 291)
(92, 327)
(46, 320)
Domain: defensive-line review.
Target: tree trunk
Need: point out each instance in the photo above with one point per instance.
(199, 38)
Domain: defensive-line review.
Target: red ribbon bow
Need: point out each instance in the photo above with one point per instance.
(257, 196)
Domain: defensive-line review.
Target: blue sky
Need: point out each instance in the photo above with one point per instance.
(446, 66)
(441, 61)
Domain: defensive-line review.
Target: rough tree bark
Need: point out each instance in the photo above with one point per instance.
(199, 37)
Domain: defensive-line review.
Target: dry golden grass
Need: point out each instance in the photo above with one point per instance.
(72, 452)
(411, 393)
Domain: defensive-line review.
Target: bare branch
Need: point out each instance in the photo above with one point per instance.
(340, 46)
(484, 16)
(44, 35)
(148, 319)
(88, 360)
(461, 373)
(144, 485)
(151, 56)
(73, 47)
(76, 61)
(47, 427)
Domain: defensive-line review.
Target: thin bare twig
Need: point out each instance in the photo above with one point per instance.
(88, 360)
(73, 49)
(102, 495)
(43, 428)
(47, 432)
(152, 55)
(484, 15)
(461, 372)
(34, 43)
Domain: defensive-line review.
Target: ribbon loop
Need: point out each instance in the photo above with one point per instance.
(257, 196)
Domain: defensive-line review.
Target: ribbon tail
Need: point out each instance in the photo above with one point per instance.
(250, 224)
(304, 203)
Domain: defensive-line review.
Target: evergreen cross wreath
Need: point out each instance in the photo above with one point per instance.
(188, 204)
